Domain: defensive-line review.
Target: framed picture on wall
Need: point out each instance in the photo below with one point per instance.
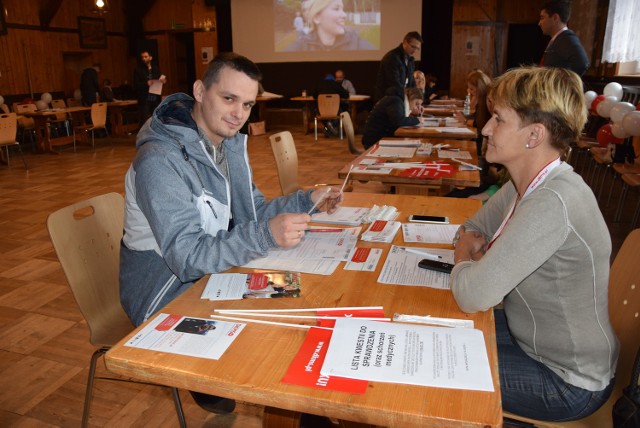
(92, 32)
(3, 24)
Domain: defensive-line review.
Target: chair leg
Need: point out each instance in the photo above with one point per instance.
(634, 220)
(315, 127)
(89, 391)
(179, 411)
(74, 140)
(341, 127)
(21, 156)
(623, 197)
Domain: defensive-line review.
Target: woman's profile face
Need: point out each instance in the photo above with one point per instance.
(416, 106)
(420, 80)
(331, 19)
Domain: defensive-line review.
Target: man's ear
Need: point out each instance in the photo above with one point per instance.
(198, 90)
(537, 135)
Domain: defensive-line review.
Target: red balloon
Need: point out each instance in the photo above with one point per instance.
(606, 137)
(596, 101)
(638, 107)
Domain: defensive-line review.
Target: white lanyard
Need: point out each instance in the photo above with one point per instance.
(539, 178)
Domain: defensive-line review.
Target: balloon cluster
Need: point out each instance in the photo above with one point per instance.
(624, 117)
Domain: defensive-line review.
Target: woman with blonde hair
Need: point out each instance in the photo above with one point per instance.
(328, 31)
(541, 247)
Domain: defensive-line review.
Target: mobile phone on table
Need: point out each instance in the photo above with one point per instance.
(416, 218)
(435, 265)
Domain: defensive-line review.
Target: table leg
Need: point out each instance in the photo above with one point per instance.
(280, 418)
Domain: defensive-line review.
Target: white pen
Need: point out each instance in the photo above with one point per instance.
(346, 178)
(320, 199)
(423, 253)
(470, 165)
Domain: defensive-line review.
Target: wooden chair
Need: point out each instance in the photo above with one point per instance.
(86, 237)
(61, 119)
(624, 306)
(284, 150)
(98, 121)
(328, 107)
(72, 102)
(347, 124)
(8, 132)
(26, 124)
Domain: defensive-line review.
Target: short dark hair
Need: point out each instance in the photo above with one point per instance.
(231, 60)
(413, 35)
(561, 7)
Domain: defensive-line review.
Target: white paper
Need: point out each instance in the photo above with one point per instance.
(422, 355)
(156, 87)
(457, 130)
(392, 152)
(350, 216)
(381, 231)
(317, 267)
(401, 268)
(372, 169)
(431, 233)
(196, 337)
(369, 264)
(399, 143)
(321, 243)
(225, 286)
(458, 154)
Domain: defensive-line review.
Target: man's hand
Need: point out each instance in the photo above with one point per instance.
(288, 229)
(327, 199)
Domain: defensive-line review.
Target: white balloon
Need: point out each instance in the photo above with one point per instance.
(1, 99)
(619, 110)
(631, 123)
(42, 105)
(618, 131)
(589, 96)
(613, 89)
(77, 94)
(46, 97)
(604, 108)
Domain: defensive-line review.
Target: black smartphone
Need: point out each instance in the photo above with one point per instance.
(434, 265)
(428, 219)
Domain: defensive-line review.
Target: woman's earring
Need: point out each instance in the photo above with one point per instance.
(526, 146)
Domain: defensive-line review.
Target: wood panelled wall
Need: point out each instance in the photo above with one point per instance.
(39, 58)
(487, 23)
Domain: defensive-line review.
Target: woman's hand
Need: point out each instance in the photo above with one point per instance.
(471, 245)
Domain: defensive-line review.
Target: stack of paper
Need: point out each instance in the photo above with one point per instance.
(399, 143)
(349, 216)
(381, 231)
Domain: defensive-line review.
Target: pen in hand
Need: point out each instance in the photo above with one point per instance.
(320, 199)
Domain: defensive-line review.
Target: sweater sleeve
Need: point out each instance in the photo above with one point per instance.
(535, 231)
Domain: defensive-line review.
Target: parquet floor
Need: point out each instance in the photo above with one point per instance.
(44, 347)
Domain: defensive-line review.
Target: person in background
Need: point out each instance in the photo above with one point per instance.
(396, 67)
(564, 48)
(191, 207)
(106, 93)
(426, 84)
(398, 108)
(143, 77)
(298, 25)
(90, 85)
(327, 21)
(477, 86)
(540, 247)
(346, 83)
(329, 85)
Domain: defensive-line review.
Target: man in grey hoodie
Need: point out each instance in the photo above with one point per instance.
(191, 207)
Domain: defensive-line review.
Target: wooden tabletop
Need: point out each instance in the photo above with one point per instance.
(252, 367)
(457, 178)
(435, 132)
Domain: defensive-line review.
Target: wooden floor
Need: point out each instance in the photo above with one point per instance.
(44, 347)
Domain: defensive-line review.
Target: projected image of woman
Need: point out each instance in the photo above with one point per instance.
(327, 21)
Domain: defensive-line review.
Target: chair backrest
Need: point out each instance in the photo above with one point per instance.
(72, 102)
(86, 237)
(631, 94)
(347, 124)
(99, 115)
(58, 104)
(8, 128)
(624, 303)
(284, 150)
(328, 104)
(5, 108)
(21, 108)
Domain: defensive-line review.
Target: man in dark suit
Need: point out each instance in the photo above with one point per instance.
(89, 85)
(396, 67)
(564, 50)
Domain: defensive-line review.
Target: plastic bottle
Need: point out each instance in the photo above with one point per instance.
(466, 110)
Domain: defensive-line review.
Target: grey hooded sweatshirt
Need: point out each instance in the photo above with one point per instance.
(183, 218)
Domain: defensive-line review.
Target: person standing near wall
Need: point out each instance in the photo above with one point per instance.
(143, 78)
(564, 50)
(89, 85)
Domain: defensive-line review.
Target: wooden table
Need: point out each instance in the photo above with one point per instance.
(447, 102)
(251, 369)
(435, 132)
(441, 110)
(310, 103)
(412, 184)
(45, 142)
(262, 101)
(116, 117)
